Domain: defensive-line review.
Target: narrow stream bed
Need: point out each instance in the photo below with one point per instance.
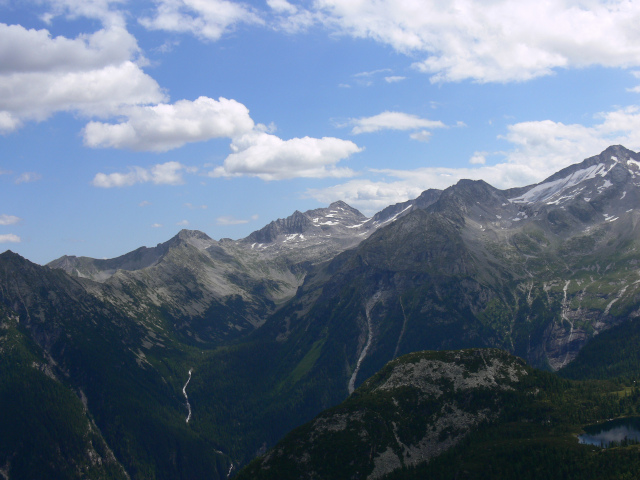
(184, 391)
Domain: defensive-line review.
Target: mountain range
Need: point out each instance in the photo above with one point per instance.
(251, 338)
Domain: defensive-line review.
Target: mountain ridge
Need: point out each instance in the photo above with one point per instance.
(274, 333)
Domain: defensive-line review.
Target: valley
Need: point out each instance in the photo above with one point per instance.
(192, 358)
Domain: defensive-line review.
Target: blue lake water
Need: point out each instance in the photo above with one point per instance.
(617, 430)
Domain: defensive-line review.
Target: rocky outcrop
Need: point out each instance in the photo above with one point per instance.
(414, 409)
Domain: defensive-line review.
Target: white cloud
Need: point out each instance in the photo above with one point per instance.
(421, 136)
(95, 9)
(229, 220)
(92, 74)
(10, 238)
(636, 74)
(282, 6)
(290, 18)
(539, 149)
(392, 121)
(372, 73)
(156, 225)
(183, 223)
(167, 126)
(169, 173)
(195, 207)
(478, 158)
(207, 19)
(28, 50)
(495, 41)
(268, 157)
(367, 195)
(255, 151)
(9, 219)
(394, 79)
(28, 177)
(547, 146)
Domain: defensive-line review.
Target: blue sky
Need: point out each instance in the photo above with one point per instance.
(122, 122)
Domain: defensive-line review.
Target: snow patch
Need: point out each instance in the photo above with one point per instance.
(604, 186)
(548, 190)
(633, 162)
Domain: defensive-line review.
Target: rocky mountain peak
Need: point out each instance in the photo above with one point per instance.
(596, 181)
(297, 222)
(196, 238)
(9, 254)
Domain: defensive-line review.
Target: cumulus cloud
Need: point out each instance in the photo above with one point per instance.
(495, 41)
(29, 50)
(156, 225)
(394, 79)
(167, 126)
(538, 149)
(183, 223)
(392, 121)
(9, 219)
(169, 173)
(92, 74)
(10, 238)
(205, 19)
(268, 157)
(255, 152)
(478, 158)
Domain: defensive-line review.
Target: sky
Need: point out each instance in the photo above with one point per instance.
(122, 122)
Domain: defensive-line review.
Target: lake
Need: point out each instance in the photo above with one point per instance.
(617, 430)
